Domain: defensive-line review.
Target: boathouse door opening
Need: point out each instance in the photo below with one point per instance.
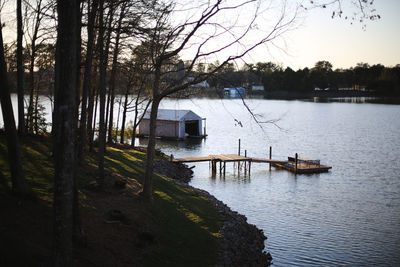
(192, 128)
(174, 124)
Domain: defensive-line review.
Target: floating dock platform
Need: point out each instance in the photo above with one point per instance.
(302, 166)
(292, 164)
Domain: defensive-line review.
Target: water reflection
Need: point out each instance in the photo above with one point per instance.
(338, 218)
(349, 216)
(187, 144)
(356, 100)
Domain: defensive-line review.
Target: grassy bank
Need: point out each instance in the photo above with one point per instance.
(180, 228)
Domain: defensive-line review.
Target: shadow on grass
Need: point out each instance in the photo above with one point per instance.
(183, 225)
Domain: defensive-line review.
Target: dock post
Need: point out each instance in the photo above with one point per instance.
(245, 162)
(224, 167)
(204, 127)
(213, 168)
(270, 157)
(249, 167)
(220, 168)
(239, 148)
(295, 162)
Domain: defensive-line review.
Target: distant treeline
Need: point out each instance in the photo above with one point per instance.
(322, 79)
(374, 80)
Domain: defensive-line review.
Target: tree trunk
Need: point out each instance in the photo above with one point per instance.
(134, 130)
(116, 128)
(107, 112)
(35, 109)
(114, 73)
(29, 119)
(124, 116)
(20, 71)
(19, 185)
(76, 216)
(92, 109)
(148, 180)
(87, 79)
(136, 121)
(65, 138)
(102, 91)
(31, 69)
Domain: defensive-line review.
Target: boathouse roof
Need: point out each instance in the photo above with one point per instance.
(174, 115)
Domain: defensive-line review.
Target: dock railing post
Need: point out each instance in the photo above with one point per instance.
(245, 162)
(295, 162)
(239, 148)
(270, 157)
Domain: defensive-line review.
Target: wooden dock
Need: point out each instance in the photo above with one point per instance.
(300, 166)
(293, 164)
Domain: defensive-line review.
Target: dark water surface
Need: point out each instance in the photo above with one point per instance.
(349, 216)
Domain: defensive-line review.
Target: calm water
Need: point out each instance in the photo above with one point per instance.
(349, 216)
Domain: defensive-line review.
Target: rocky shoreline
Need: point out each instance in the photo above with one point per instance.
(242, 244)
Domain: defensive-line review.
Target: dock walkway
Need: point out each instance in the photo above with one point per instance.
(295, 164)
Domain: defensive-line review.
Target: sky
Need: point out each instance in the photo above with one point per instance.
(344, 45)
(319, 37)
(315, 36)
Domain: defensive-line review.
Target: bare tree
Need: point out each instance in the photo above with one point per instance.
(34, 17)
(103, 58)
(140, 102)
(20, 71)
(217, 29)
(19, 185)
(207, 30)
(87, 78)
(114, 69)
(206, 34)
(361, 11)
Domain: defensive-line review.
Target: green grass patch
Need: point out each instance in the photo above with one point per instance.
(183, 225)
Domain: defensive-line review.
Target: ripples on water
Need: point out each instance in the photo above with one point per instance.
(349, 216)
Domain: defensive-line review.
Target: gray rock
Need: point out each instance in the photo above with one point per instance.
(241, 244)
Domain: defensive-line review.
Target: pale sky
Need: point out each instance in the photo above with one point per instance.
(322, 38)
(342, 44)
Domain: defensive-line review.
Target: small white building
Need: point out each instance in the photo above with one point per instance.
(235, 92)
(257, 87)
(203, 84)
(174, 124)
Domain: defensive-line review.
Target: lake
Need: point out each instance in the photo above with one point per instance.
(348, 216)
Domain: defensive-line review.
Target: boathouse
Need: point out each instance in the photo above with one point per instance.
(235, 92)
(174, 124)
